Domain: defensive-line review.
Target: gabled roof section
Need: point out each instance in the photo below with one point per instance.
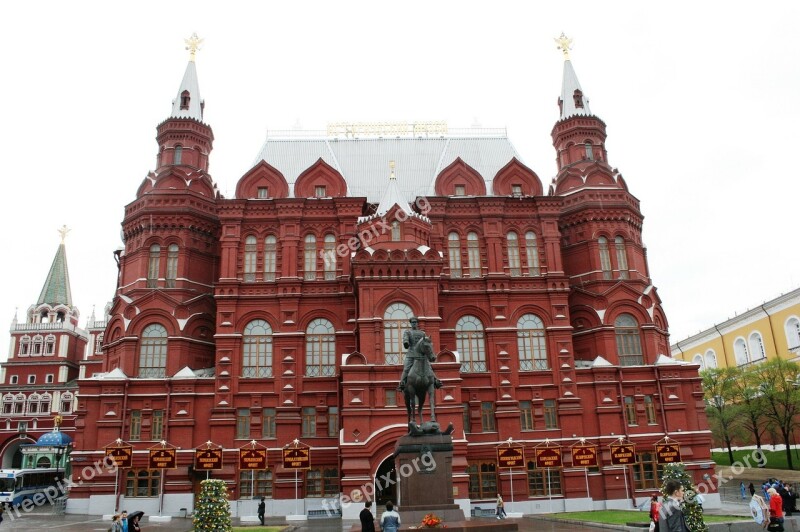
(362, 161)
(393, 197)
(188, 104)
(56, 289)
(572, 100)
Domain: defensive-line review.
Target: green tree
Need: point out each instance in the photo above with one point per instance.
(721, 408)
(691, 508)
(749, 397)
(213, 512)
(779, 381)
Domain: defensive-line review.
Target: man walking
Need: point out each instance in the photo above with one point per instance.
(262, 507)
(367, 521)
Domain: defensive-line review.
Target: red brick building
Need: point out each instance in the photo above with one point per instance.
(277, 315)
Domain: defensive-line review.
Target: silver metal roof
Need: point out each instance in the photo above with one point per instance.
(364, 161)
(569, 85)
(191, 85)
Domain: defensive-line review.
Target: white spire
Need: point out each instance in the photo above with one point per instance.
(572, 101)
(392, 196)
(188, 103)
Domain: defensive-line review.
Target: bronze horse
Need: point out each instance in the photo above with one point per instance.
(420, 380)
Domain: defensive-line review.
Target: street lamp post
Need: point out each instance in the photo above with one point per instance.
(59, 454)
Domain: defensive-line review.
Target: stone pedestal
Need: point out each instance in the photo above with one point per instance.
(424, 467)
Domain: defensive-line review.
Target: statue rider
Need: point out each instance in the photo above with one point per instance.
(411, 337)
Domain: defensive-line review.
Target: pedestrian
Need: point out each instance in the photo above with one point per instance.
(123, 519)
(134, 525)
(501, 510)
(262, 508)
(742, 489)
(116, 525)
(367, 521)
(672, 518)
(390, 520)
(655, 509)
(775, 511)
(752, 489)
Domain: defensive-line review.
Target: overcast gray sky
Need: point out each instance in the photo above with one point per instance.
(700, 100)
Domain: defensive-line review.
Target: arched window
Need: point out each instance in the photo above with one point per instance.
(257, 350)
(473, 254)
(172, 265)
(757, 347)
(532, 253)
(49, 344)
(740, 351)
(320, 349)
(470, 344)
(629, 344)
(310, 258)
(270, 257)
(8, 404)
(589, 154)
(153, 352)
(38, 344)
(329, 257)
(33, 403)
(792, 328)
(19, 403)
(395, 231)
(395, 321)
(45, 401)
(698, 359)
(152, 266)
(454, 253)
(513, 254)
(710, 359)
(605, 258)
(622, 258)
(66, 403)
(178, 155)
(531, 343)
(25, 345)
(185, 99)
(250, 259)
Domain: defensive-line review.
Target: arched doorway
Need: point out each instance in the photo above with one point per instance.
(12, 454)
(386, 483)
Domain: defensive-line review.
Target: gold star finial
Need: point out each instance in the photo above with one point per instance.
(63, 232)
(564, 44)
(193, 45)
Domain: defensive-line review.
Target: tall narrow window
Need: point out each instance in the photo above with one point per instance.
(531, 343)
(588, 147)
(710, 359)
(333, 421)
(329, 256)
(532, 253)
(629, 344)
(172, 265)
(740, 352)
(605, 258)
(243, 423)
(320, 349)
(792, 329)
(622, 257)
(577, 97)
(630, 411)
(250, 259)
(550, 414)
(178, 155)
(157, 431)
(49, 344)
(309, 422)
(310, 258)
(649, 410)
(38, 344)
(757, 351)
(395, 321)
(270, 257)
(268, 423)
(513, 254)
(136, 425)
(395, 231)
(152, 266)
(257, 350)
(66, 403)
(153, 352)
(25, 345)
(487, 416)
(185, 99)
(466, 418)
(525, 415)
(470, 344)
(473, 254)
(454, 253)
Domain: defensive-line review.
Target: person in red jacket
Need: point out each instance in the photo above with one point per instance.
(655, 509)
(775, 510)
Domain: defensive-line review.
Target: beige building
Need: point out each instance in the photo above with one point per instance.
(763, 332)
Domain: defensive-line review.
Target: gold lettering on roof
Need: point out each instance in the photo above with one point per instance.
(386, 129)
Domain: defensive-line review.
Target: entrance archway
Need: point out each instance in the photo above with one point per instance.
(386, 483)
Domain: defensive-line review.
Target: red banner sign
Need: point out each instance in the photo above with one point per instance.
(122, 455)
(299, 458)
(163, 458)
(584, 456)
(207, 459)
(548, 457)
(511, 457)
(252, 459)
(623, 453)
(668, 453)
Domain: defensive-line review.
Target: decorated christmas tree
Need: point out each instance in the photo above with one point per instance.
(213, 512)
(691, 506)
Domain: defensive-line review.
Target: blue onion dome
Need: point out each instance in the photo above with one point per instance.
(54, 438)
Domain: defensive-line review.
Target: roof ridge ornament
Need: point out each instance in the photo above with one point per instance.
(564, 44)
(193, 45)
